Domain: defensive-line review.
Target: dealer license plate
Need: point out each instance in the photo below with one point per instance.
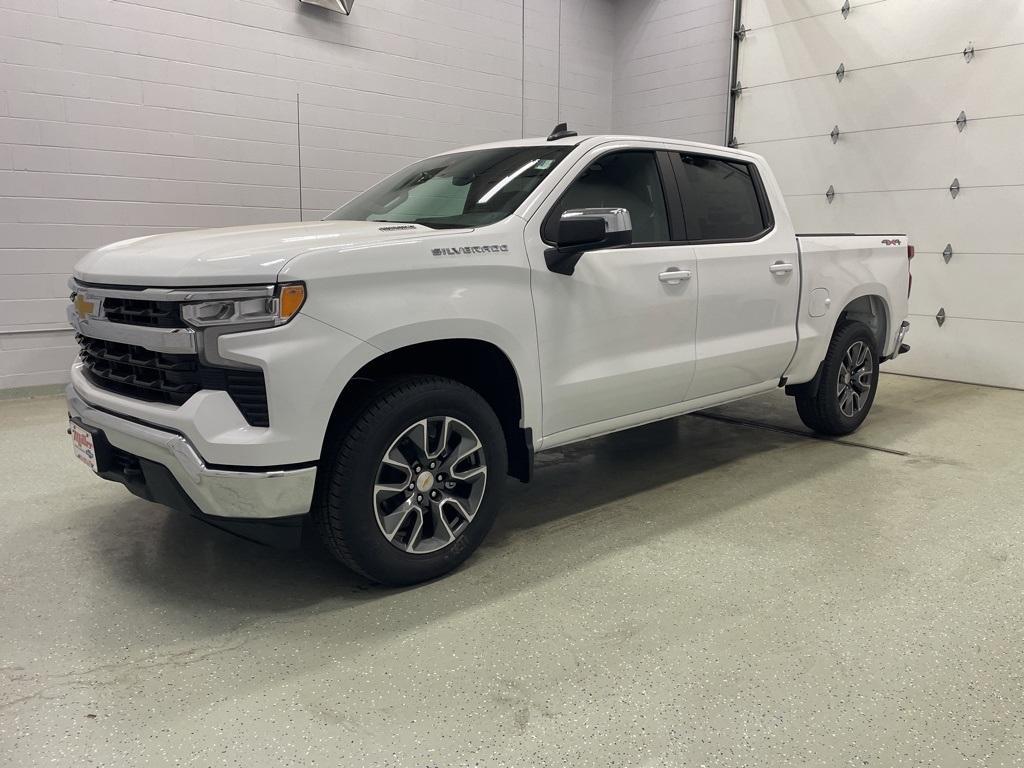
(81, 440)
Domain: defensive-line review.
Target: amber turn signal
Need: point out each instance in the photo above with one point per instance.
(291, 298)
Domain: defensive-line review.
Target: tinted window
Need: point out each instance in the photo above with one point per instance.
(720, 200)
(463, 189)
(627, 180)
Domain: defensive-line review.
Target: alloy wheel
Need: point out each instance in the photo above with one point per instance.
(429, 484)
(855, 375)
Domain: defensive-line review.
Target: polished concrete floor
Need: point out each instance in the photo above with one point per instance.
(701, 592)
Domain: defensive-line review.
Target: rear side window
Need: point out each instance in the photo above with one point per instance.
(722, 199)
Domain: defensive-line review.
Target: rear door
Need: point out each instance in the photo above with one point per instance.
(748, 270)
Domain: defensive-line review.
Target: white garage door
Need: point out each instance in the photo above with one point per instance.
(905, 79)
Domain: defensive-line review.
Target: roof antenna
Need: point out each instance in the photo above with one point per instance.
(561, 132)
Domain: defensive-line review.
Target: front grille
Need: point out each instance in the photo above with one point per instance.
(163, 378)
(137, 372)
(156, 314)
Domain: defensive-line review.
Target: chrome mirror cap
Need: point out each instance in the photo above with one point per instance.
(615, 219)
(587, 229)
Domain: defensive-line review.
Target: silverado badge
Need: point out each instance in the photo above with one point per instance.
(469, 250)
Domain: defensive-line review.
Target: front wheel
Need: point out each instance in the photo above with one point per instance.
(413, 485)
(849, 380)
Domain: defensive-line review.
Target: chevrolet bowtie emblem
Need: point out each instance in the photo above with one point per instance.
(83, 306)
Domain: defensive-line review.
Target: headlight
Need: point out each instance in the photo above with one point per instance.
(266, 311)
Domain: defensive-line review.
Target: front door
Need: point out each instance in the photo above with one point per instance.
(617, 337)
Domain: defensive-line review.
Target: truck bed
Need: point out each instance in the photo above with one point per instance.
(840, 272)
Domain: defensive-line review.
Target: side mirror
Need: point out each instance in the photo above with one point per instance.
(587, 229)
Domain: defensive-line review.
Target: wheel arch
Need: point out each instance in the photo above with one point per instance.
(868, 307)
(871, 309)
(477, 363)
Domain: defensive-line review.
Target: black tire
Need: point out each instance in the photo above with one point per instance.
(820, 407)
(347, 509)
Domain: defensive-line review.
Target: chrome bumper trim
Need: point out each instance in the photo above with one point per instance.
(217, 492)
(172, 341)
(900, 336)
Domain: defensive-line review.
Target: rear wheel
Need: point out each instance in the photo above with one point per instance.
(849, 380)
(413, 485)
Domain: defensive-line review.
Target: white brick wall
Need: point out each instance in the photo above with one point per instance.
(127, 117)
(569, 43)
(672, 68)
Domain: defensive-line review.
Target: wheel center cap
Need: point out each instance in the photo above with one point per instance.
(424, 482)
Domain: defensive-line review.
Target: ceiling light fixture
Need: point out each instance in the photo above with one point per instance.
(341, 6)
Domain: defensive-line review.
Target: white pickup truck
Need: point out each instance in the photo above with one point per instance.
(381, 372)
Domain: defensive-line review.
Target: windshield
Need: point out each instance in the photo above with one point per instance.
(463, 189)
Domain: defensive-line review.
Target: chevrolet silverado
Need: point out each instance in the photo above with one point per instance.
(380, 373)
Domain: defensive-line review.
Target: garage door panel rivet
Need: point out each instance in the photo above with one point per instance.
(940, 317)
(830, 194)
(947, 252)
(835, 134)
(845, 9)
(841, 72)
(969, 52)
(954, 188)
(961, 121)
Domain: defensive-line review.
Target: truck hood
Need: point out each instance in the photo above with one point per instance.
(232, 255)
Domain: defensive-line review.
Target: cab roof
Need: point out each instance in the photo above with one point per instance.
(593, 140)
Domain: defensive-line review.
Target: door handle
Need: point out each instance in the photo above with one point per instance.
(780, 268)
(674, 275)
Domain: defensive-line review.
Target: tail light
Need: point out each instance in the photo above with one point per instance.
(910, 277)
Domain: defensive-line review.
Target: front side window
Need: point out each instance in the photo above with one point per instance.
(720, 199)
(463, 189)
(627, 180)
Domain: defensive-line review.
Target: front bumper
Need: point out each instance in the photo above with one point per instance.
(230, 494)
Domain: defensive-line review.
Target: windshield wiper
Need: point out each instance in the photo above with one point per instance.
(440, 224)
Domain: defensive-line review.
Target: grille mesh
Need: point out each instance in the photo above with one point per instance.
(158, 314)
(162, 378)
